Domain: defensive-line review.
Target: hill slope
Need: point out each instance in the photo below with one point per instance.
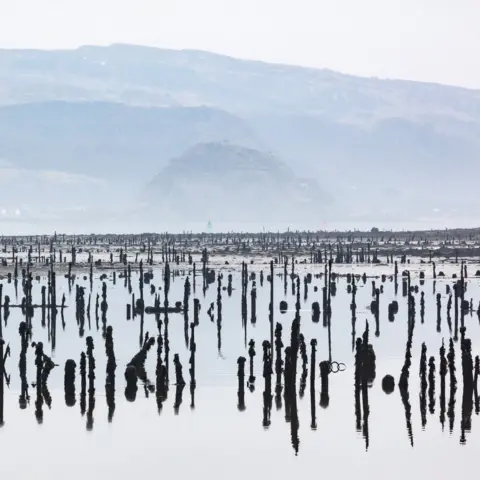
(153, 76)
(226, 182)
(115, 142)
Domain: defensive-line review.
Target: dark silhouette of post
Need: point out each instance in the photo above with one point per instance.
(423, 385)
(431, 385)
(241, 383)
(110, 371)
(453, 385)
(219, 313)
(267, 375)
(468, 386)
(24, 397)
(405, 374)
(4, 353)
(313, 403)
(251, 355)
(69, 382)
(91, 383)
(303, 354)
(193, 381)
(278, 365)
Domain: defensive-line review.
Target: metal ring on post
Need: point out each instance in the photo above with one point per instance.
(334, 367)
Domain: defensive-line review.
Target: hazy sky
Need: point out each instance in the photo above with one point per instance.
(432, 40)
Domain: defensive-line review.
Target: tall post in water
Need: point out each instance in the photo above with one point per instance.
(251, 354)
(165, 303)
(253, 295)
(396, 277)
(186, 307)
(267, 374)
(303, 354)
(241, 383)
(91, 382)
(270, 316)
(193, 349)
(431, 385)
(196, 311)
(22, 365)
(69, 382)
(194, 276)
(468, 389)
(219, 313)
(456, 295)
(110, 377)
(443, 374)
(377, 312)
(313, 403)
(453, 385)
(204, 270)
(140, 282)
(423, 385)
(278, 365)
(353, 309)
(329, 311)
(3, 357)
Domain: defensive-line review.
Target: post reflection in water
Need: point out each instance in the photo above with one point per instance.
(234, 320)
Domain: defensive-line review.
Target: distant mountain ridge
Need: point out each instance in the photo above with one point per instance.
(154, 76)
(118, 114)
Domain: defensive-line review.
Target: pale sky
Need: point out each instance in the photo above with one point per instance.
(429, 40)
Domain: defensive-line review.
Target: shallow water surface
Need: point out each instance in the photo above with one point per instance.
(208, 435)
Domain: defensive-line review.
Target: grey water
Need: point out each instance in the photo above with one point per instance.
(209, 436)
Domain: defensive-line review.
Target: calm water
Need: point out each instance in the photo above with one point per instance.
(214, 438)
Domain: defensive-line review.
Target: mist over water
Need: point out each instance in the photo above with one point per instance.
(121, 226)
(158, 138)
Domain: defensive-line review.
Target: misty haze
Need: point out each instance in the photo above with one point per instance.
(102, 135)
(239, 239)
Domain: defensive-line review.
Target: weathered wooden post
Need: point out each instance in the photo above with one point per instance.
(193, 349)
(267, 375)
(313, 403)
(110, 370)
(423, 385)
(443, 374)
(91, 382)
(453, 385)
(251, 354)
(241, 383)
(253, 295)
(3, 375)
(69, 382)
(303, 354)
(431, 385)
